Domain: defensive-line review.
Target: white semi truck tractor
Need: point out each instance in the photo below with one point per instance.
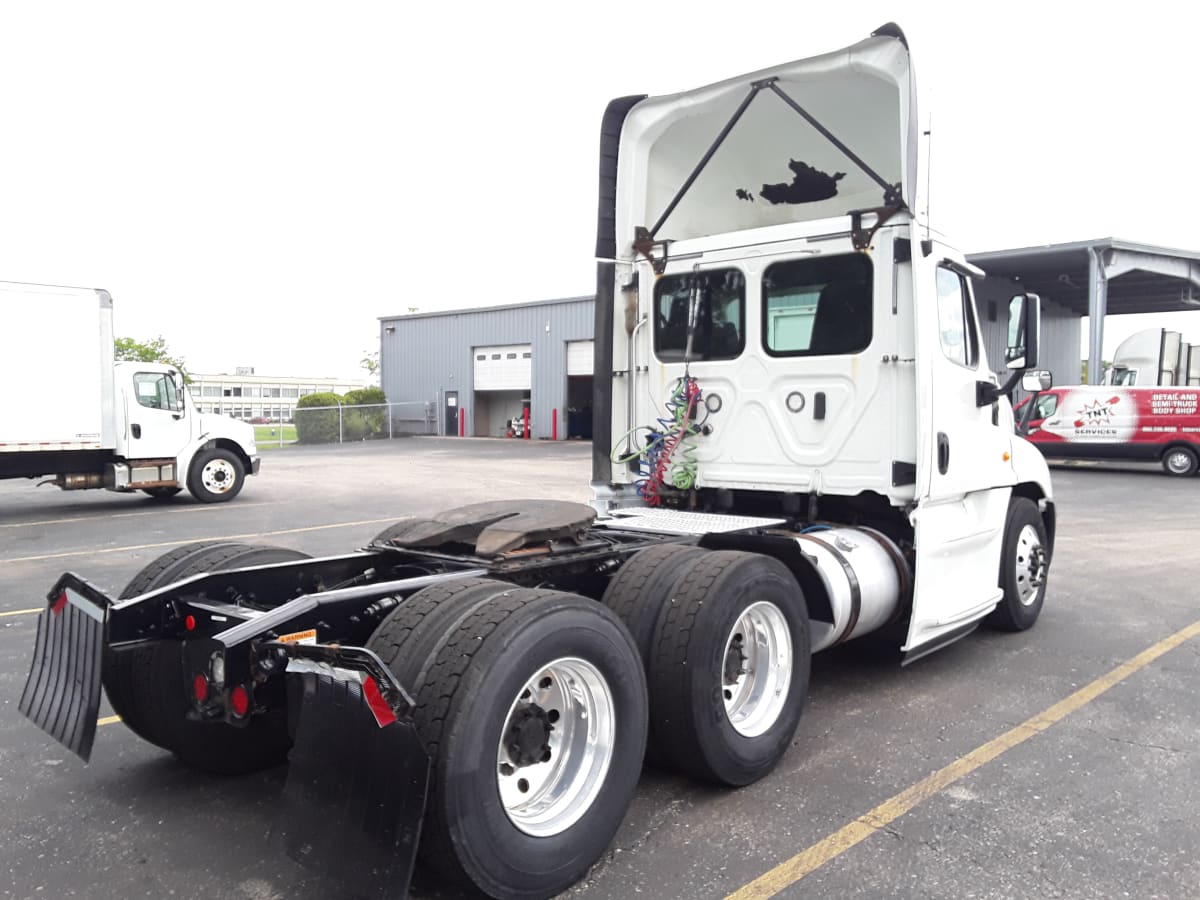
(798, 441)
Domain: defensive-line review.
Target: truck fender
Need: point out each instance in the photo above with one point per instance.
(788, 552)
(1033, 482)
(186, 456)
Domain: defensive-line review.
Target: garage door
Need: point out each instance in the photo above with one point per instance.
(507, 368)
(579, 357)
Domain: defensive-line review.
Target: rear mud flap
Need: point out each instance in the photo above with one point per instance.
(62, 692)
(357, 779)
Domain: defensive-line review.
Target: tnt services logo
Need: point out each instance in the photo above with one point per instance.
(1095, 419)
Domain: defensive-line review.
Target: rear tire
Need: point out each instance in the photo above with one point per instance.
(729, 677)
(148, 688)
(1024, 564)
(216, 475)
(637, 594)
(127, 676)
(483, 695)
(1180, 461)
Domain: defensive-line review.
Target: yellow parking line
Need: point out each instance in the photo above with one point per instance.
(108, 720)
(229, 537)
(791, 871)
(21, 612)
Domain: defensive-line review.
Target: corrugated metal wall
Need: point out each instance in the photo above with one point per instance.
(422, 356)
(1061, 331)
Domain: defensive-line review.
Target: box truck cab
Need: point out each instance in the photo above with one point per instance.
(166, 440)
(1108, 422)
(81, 420)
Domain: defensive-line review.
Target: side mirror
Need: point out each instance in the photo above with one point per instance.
(1024, 331)
(1037, 380)
(180, 387)
(1021, 354)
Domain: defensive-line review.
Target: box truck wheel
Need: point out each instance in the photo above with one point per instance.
(216, 475)
(1024, 562)
(533, 710)
(637, 594)
(145, 685)
(729, 674)
(1179, 461)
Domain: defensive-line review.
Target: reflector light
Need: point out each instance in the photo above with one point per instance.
(59, 603)
(200, 688)
(379, 706)
(190, 623)
(240, 701)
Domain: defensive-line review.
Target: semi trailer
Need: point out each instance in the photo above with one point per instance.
(79, 419)
(798, 441)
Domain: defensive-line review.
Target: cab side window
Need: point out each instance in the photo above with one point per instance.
(155, 390)
(956, 319)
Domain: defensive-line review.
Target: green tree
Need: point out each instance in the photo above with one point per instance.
(318, 426)
(371, 422)
(370, 362)
(154, 350)
(1084, 366)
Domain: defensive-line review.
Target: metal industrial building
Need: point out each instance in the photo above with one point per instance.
(478, 369)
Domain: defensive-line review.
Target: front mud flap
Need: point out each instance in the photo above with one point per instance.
(358, 774)
(62, 692)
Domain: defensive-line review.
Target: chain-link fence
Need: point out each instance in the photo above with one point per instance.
(339, 424)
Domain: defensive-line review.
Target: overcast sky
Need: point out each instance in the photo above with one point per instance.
(258, 182)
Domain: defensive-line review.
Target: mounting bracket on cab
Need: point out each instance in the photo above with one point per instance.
(644, 243)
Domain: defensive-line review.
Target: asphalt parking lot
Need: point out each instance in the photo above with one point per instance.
(1030, 796)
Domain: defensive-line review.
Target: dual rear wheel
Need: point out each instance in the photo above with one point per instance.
(532, 706)
(724, 640)
(147, 687)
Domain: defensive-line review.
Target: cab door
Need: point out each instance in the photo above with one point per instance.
(964, 475)
(158, 426)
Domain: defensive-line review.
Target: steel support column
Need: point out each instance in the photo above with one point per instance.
(1097, 308)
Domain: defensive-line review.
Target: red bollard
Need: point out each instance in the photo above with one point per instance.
(462, 422)
(554, 424)
(526, 435)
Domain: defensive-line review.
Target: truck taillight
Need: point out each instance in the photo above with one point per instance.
(239, 699)
(200, 688)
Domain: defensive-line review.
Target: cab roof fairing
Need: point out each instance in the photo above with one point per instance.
(773, 167)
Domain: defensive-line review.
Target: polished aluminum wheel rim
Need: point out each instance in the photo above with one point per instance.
(757, 669)
(218, 476)
(571, 701)
(1029, 568)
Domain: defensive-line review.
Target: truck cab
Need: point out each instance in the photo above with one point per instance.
(828, 336)
(165, 442)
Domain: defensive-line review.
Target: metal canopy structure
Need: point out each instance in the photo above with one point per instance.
(1101, 277)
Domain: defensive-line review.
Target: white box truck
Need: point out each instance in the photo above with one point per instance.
(80, 420)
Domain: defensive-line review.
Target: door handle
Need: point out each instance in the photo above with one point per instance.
(136, 430)
(943, 444)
